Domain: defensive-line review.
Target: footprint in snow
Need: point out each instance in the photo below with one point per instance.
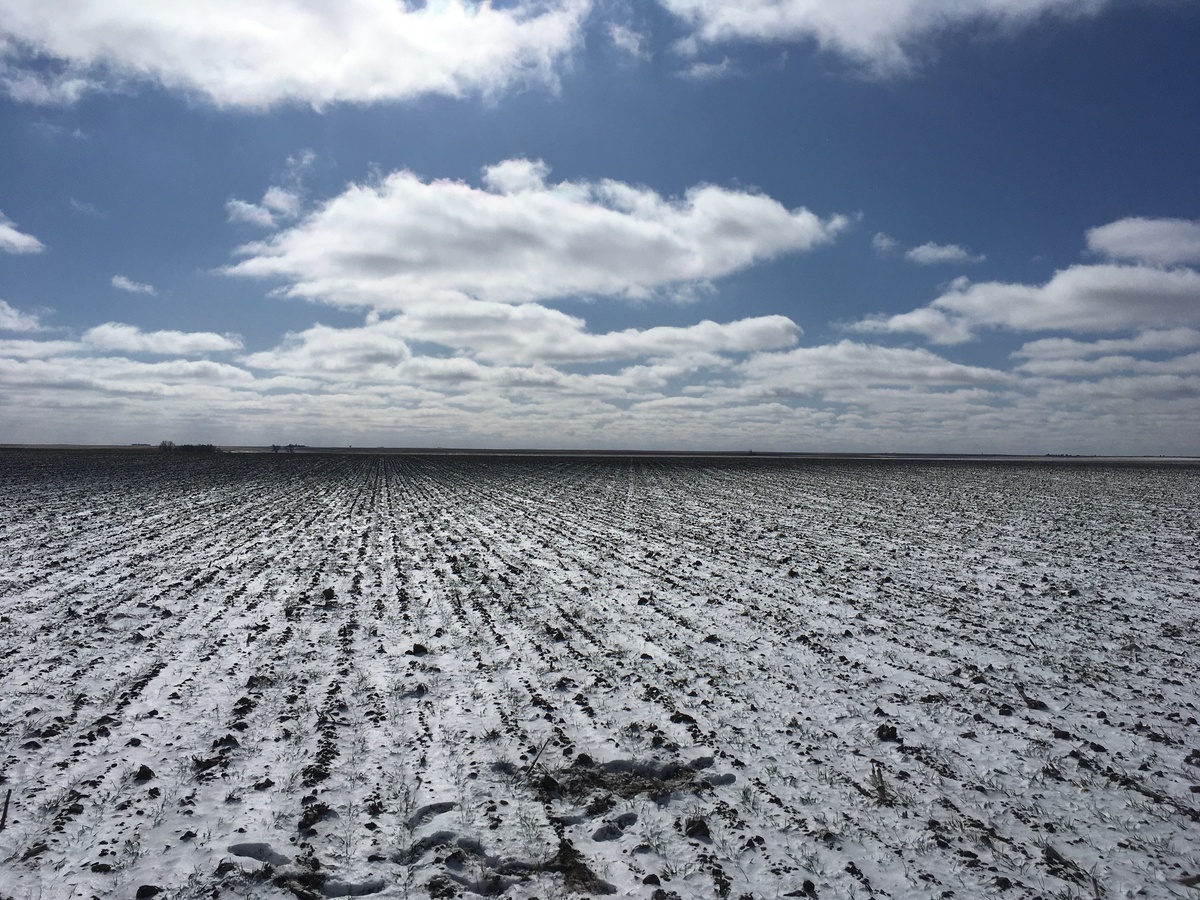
(427, 814)
(262, 852)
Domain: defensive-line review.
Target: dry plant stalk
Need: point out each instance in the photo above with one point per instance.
(881, 791)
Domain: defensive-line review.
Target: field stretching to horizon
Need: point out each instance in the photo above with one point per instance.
(406, 676)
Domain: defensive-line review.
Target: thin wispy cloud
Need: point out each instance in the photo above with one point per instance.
(280, 202)
(629, 41)
(87, 209)
(883, 36)
(884, 243)
(122, 283)
(278, 205)
(707, 71)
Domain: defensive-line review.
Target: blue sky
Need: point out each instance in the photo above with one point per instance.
(813, 225)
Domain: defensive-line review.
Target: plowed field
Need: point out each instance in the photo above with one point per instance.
(406, 676)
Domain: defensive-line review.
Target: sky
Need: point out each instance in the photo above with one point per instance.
(772, 225)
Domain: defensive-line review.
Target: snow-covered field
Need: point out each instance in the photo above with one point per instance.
(270, 676)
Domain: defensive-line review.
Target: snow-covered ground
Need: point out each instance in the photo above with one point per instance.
(271, 676)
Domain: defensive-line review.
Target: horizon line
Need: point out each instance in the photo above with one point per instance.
(304, 449)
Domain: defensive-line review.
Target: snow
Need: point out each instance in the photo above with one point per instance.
(411, 676)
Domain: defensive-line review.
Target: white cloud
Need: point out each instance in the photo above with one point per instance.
(929, 321)
(927, 254)
(115, 336)
(704, 71)
(1172, 340)
(1148, 414)
(878, 34)
(1156, 242)
(515, 176)
(277, 205)
(87, 209)
(280, 202)
(252, 213)
(935, 254)
(1084, 299)
(258, 53)
(12, 319)
(404, 241)
(368, 385)
(688, 393)
(14, 241)
(848, 368)
(95, 376)
(41, 88)
(26, 348)
(356, 352)
(1188, 365)
(884, 243)
(629, 41)
(668, 342)
(121, 283)
(527, 336)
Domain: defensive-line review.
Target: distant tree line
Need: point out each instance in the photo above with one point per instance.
(172, 447)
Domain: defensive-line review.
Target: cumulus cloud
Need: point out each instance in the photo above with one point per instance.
(1084, 299)
(682, 388)
(1156, 242)
(927, 254)
(121, 283)
(455, 277)
(515, 176)
(848, 368)
(530, 336)
(321, 349)
(880, 35)
(116, 336)
(406, 241)
(929, 321)
(12, 319)
(14, 241)
(371, 385)
(705, 338)
(96, 376)
(1103, 366)
(258, 53)
(1171, 340)
(932, 254)
(28, 348)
